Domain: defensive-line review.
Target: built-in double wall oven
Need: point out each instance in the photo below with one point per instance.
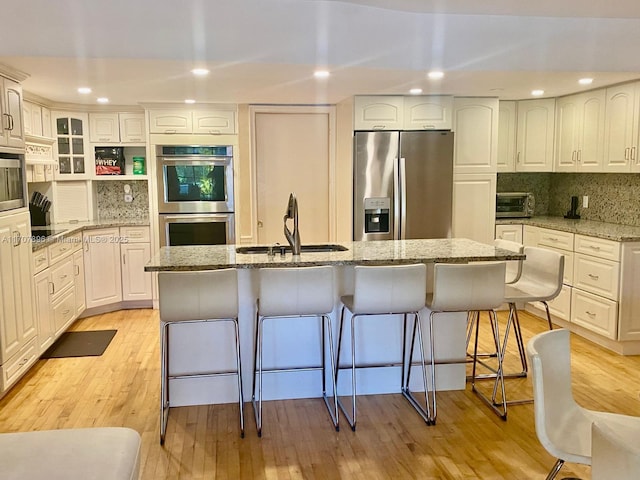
(195, 194)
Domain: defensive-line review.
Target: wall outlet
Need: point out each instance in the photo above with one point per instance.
(585, 201)
(128, 198)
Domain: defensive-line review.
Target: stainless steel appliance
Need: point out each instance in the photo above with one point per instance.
(514, 204)
(197, 229)
(195, 194)
(13, 185)
(403, 184)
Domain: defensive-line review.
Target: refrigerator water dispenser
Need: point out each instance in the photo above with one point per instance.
(376, 215)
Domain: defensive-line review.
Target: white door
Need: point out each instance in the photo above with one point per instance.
(103, 281)
(136, 283)
(293, 151)
(474, 206)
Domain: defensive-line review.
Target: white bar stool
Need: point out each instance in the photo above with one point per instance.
(468, 288)
(295, 292)
(386, 290)
(192, 297)
(540, 281)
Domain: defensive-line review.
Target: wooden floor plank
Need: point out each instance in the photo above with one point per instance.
(121, 388)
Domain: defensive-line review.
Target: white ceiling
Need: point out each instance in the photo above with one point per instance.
(265, 51)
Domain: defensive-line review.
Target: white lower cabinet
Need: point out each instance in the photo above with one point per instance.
(78, 281)
(136, 283)
(600, 284)
(18, 327)
(513, 233)
(59, 299)
(103, 282)
(114, 261)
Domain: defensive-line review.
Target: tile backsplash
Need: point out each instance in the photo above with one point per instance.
(613, 197)
(111, 204)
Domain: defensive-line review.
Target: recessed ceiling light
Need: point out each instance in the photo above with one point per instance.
(189, 100)
(435, 74)
(415, 91)
(84, 90)
(321, 73)
(537, 93)
(585, 81)
(200, 72)
(102, 100)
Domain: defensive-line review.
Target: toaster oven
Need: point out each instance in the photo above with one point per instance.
(514, 204)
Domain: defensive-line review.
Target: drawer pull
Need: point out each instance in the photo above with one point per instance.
(552, 239)
(594, 247)
(66, 312)
(62, 277)
(590, 314)
(592, 276)
(23, 362)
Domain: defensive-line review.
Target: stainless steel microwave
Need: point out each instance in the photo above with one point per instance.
(514, 204)
(12, 182)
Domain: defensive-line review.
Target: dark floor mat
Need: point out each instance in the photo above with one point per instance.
(80, 344)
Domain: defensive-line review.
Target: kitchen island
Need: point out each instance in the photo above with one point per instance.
(204, 347)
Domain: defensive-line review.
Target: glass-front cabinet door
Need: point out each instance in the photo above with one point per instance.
(72, 148)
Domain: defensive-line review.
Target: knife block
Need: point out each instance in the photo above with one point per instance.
(39, 217)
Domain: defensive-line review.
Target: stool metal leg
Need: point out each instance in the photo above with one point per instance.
(433, 370)
(257, 369)
(502, 413)
(164, 380)
(351, 418)
(425, 412)
(333, 409)
(239, 367)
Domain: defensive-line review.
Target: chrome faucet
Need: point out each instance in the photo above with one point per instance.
(292, 213)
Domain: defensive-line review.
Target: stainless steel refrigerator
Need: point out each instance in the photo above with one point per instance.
(403, 184)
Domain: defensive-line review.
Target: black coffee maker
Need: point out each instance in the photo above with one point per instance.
(573, 212)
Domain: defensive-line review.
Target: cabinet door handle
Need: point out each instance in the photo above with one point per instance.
(573, 156)
(52, 290)
(518, 158)
(633, 153)
(17, 238)
(214, 132)
(428, 127)
(124, 259)
(626, 153)
(592, 276)
(62, 277)
(8, 117)
(378, 127)
(86, 246)
(77, 270)
(579, 156)
(66, 312)
(11, 122)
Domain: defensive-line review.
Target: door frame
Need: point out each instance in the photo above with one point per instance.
(330, 110)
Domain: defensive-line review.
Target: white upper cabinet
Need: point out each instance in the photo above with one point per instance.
(116, 128)
(104, 128)
(396, 112)
(507, 120)
(475, 122)
(580, 122)
(202, 121)
(378, 112)
(214, 122)
(11, 110)
(621, 129)
(132, 128)
(534, 138)
(427, 112)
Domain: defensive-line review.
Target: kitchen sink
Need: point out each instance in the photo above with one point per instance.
(324, 247)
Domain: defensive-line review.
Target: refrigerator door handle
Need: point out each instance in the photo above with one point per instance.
(403, 198)
(396, 200)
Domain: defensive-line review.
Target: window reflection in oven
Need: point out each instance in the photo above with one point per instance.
(195, 183)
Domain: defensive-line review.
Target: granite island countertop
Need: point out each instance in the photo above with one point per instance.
(70, 228)
(212, 257)
(609, 231)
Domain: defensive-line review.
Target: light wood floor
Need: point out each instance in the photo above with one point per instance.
(121, 388)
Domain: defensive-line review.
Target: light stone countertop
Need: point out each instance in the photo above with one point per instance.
(610, 231)
(68, 229)
(455, 250)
